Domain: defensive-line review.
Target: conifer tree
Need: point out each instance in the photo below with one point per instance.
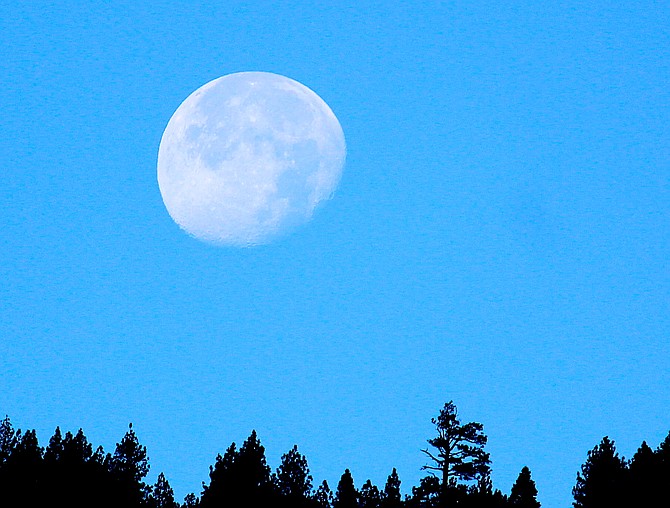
(239, 478)
(643, 477)
(76, 453)
(22, 479)
(391, 497)
(346, 495)
(254, 472)
(662, 455)
(292, 478)
(162, 495)
(601, 480)
(644, 460)
(190, 501)
(459, 451)
(369, 497)
(55, 478)
(655, 485)
(128, 466)
(54, 450)
(27, 454)
(222, 479)
(130, 458)
(524, 492)
(426, 494)
(8, 440)
(323, 497)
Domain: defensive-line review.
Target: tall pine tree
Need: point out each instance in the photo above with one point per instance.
(323, 497)
(128, 466)
(459, 451)
(292, 478)
(369, 496)
(162, 495)
(346, 495)
(239, 478)
(391, 497)
(600, 483)
(222, 479)
(643, 485)
(524, 492)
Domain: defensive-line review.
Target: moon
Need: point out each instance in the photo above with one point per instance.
(249, 157)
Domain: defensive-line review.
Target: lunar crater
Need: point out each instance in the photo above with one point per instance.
(248, 157)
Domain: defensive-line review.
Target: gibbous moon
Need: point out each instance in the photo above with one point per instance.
(248, 157)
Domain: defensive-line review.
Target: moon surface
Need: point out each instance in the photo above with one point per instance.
(248, 157)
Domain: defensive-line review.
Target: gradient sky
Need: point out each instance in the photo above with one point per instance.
(499, 237)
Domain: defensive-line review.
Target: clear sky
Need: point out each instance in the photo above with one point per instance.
(499, 236)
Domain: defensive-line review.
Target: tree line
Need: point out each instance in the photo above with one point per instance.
(68, 472)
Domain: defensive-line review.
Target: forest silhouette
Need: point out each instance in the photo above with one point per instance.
(69, 473)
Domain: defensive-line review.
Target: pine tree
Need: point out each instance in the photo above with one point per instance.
(292, 478)
(74, 475)
(27, 454)
(77, 450)
(254, 473)
(128, 466)
(239, 478)
(426, 494)
(56, 479)
(391, 497)
(346, 495)
(8, 440)
(222, 479)
(323, 497)
(662, 455)
(601, 480)
(647, 476)
(190, 501)
(459, 452)
(643, 475)
(54, 450)
(369, 497)
(22, 482)
(524, 492)
(162, 495)
(130, 458)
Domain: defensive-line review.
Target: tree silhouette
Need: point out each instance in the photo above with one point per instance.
(129, 465)
(162, 495)
(346, 495)
(426, 494)
(73, 474)
(254, 472)
(524, 492)
(190, 501)
(292, 478)
(223, 479)
(8, 440)
(391, 497)
(239, 478)
(369, 497)
(76, 452)
(601, 480)
(323, 497)
(68, 473)
(459, 451)
(54, 451)
(662, 455)
(643, 477)
(22, 475)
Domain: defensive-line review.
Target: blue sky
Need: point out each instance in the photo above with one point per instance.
(499, 236)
